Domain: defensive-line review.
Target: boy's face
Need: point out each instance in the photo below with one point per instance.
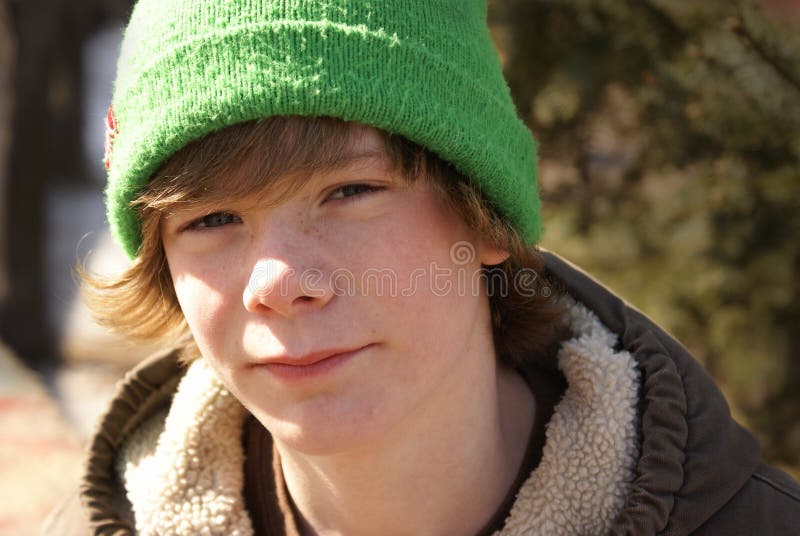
(359, 264)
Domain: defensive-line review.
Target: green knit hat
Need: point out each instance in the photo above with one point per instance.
(424, 69)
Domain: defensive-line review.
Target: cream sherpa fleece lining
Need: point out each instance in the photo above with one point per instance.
(183, 472)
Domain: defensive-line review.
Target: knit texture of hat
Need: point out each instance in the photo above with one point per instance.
(424, 69)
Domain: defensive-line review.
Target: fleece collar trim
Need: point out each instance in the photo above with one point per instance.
(183, 466)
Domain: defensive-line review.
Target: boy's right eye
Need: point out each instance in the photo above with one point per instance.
(210, 221)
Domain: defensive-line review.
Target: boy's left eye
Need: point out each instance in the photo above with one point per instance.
(351, 191)
(217, 219)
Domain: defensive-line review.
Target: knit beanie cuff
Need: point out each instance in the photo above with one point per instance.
(453, 101)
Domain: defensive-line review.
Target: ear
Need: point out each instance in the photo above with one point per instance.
(489, 254)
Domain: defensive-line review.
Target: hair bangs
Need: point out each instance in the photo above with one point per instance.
(266, 161)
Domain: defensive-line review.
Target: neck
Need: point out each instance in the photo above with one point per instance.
(444, 470)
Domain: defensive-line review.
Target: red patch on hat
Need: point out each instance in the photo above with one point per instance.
(111, 133)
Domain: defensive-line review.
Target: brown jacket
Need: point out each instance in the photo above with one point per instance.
(695, 470)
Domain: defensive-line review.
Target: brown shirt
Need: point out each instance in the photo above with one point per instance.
(271, 508)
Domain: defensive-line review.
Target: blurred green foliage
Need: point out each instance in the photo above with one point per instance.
(670, 168)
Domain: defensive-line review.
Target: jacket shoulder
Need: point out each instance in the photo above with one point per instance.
(699, 471)
(768, 503)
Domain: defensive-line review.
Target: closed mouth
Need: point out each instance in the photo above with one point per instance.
(310, 365)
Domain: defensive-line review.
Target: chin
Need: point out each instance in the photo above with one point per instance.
(321, 433)
(316, 444)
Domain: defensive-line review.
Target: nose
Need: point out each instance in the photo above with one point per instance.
(275, 286)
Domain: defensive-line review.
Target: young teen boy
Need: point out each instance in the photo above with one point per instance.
(332, 212)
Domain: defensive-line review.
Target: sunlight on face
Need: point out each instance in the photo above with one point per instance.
(258, 287)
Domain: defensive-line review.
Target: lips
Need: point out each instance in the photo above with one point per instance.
(305, 360)
(307, 366)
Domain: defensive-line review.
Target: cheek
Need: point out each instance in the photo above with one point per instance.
(437, 306)
(206, 304)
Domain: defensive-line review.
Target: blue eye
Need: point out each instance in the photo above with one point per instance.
(351, 190)
(217, 219)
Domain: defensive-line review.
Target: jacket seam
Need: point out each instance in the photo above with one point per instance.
(666, 529)
(776, 486)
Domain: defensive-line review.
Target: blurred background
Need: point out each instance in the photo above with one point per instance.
(670, 169)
